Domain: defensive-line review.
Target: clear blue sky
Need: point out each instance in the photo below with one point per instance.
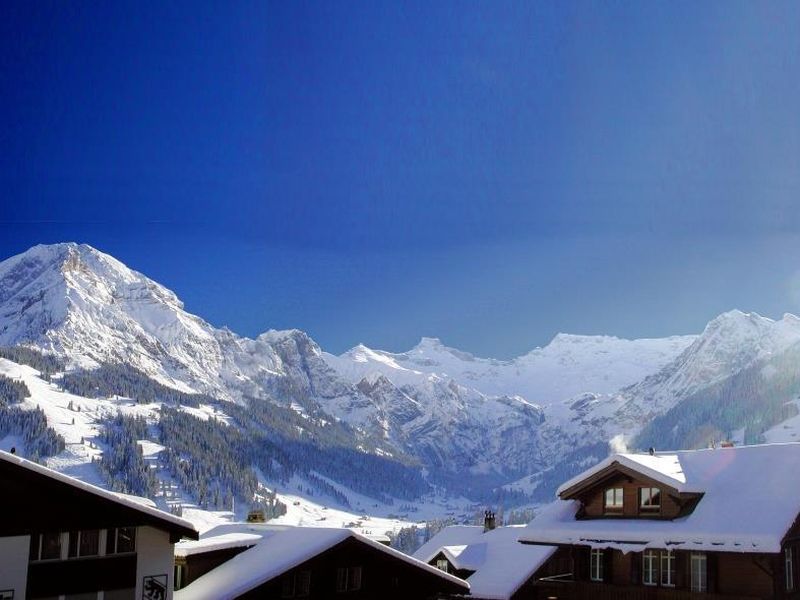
(488, 173)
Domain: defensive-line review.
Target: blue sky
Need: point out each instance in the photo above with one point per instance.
(488, 173)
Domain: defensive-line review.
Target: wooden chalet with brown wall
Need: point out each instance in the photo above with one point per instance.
(494, 563)
(716, 523)
(320, 563)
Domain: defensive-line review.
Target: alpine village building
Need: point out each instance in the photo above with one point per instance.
(313, 563)
(64, 538)
(699, 524)
(713, 523)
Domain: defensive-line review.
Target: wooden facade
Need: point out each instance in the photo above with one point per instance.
(191, 567)
(592, 496)
(739, 576)
(356, 571)
(578, 572)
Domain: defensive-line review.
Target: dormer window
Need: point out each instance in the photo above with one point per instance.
(613, 500)
(649, 499)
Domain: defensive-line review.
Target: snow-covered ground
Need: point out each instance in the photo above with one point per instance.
(788, 431)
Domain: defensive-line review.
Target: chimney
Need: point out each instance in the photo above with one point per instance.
(652, 451)
(488, 521)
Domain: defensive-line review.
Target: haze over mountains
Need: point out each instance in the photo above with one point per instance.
(466, 425)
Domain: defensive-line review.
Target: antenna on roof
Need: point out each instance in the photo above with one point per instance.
(652, 451)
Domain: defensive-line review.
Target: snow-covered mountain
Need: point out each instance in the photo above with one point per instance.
(729, 343)
(568, 366)
(453, 413)
(89, 308)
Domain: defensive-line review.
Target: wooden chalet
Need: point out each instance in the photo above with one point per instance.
(715, 523)
(63, 538)
(193, 559)
(491, 560)
(318, 563)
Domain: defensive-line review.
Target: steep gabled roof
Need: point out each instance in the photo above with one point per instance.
(501, 563)
(665, 469)
(279, 552)
(142, 509)
(749, 503)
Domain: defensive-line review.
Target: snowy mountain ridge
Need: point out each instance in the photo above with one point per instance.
(454, 413)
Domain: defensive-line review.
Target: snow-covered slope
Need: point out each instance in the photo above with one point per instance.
(729, 343)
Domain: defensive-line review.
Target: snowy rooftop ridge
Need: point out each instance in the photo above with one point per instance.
(662, 467)
(501, 563)
(142, 505)
(735, 482)
(277, 553)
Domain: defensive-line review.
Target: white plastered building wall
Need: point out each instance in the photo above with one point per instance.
(154, 558)
(14, 565)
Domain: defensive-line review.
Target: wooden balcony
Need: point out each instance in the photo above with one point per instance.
(585, 590)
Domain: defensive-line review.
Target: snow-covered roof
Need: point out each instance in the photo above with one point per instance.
(501, 563)
(749, 503)
(142, 505)
(661, 467)
(449, 537)
(279, 552)
(240, 534)
(217, 542)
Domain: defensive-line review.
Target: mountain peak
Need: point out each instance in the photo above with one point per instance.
(738, 321)
(429, 342)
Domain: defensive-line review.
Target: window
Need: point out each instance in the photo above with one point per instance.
(442, 565)
(613, 501)
(650, 499)
(297, 585)
(177, 576)
(699, 572)
(348, 579)
(667, 568)
(650, 567)
(84, 543)
(121, 540)
(789, 569)
(287, 589)
(303, 583)
(45, 546)
(596, 565)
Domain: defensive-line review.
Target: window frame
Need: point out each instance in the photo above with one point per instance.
(38, 545)
(699, 558)
(667, 556)
(302, 583)
(614, 507)
(76, 541)
(348, 579)
(788, 567)
(443, 565)
(649, 507)
(596, 565)
(112, 541)
(650, 570)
